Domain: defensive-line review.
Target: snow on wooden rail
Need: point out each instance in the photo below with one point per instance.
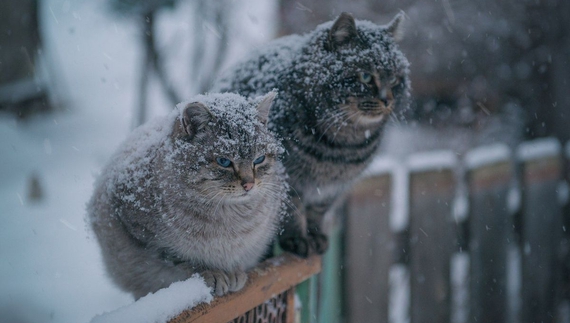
(270, 279)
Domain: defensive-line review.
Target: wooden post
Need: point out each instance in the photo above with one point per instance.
(369, 249)
(489, 177)
(432, 235)
(541, 229)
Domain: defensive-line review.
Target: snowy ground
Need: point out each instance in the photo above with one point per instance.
(50, 266)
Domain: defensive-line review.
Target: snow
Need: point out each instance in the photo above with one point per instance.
(380, 165)
(487, 155)
(432, 160)
(50, 264)
(514, 283)
(514, 198)
(460, 263)
(461, 206)
(162, 305)
(539, 148)
(399, 218)
(567, 149)
(399, 294)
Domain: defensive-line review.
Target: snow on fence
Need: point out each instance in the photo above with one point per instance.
(504, 260)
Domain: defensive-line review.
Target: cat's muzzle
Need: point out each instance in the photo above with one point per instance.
(375, 107)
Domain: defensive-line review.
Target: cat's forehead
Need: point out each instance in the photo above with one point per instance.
(373, 50)
(236, 143)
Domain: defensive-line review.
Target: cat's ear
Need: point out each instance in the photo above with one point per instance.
(395, 28)
(264, 106)
(342, 31)
(195, 118)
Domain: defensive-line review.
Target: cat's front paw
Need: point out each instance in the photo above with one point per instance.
(222, 282)
(314, 243)
(318, 242)
(237, 280)
(295, 245)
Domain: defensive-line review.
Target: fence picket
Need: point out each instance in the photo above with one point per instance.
(542, 230)
(369, 250)
(566, 223)
(490, 232)
(432, 235)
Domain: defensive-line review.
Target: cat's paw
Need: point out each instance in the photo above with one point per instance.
(222, 282)
(218, 281)
(314, 243)
(295, 245)
(318, 242)
(237, 280)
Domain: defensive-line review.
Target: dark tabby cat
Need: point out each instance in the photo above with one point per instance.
(200, 191)
(337, 87)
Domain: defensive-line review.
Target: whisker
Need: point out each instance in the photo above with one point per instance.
(334, 119)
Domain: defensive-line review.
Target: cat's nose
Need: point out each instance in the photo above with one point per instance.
(247, 186)
(385, 95)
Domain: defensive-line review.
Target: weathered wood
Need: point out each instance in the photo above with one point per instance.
(541, 236)
(491, 233)
(432, 240)
(269, 279)
(369, 250)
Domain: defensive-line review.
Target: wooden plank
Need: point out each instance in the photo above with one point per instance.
(270, 278)
(432, 240)
(541, 231)
(369, 250)
(491, 233)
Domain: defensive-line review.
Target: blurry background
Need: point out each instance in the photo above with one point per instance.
(77, 76)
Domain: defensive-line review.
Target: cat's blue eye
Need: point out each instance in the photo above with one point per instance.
(224, 162)
(259, 160)
(365, 77)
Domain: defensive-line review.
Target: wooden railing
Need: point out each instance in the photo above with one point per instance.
(267, 297)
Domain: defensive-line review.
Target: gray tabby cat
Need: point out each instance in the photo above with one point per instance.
(200, 191)
(337, 87)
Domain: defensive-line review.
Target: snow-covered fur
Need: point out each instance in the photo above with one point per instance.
(337, 87)
(199, 191)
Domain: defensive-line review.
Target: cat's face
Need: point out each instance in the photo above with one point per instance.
(233, 154)
(362, 71)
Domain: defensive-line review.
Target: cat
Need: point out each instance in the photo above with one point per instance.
(338, 85)
(200, 191)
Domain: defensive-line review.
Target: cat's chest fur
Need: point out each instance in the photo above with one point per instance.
(229, 237)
